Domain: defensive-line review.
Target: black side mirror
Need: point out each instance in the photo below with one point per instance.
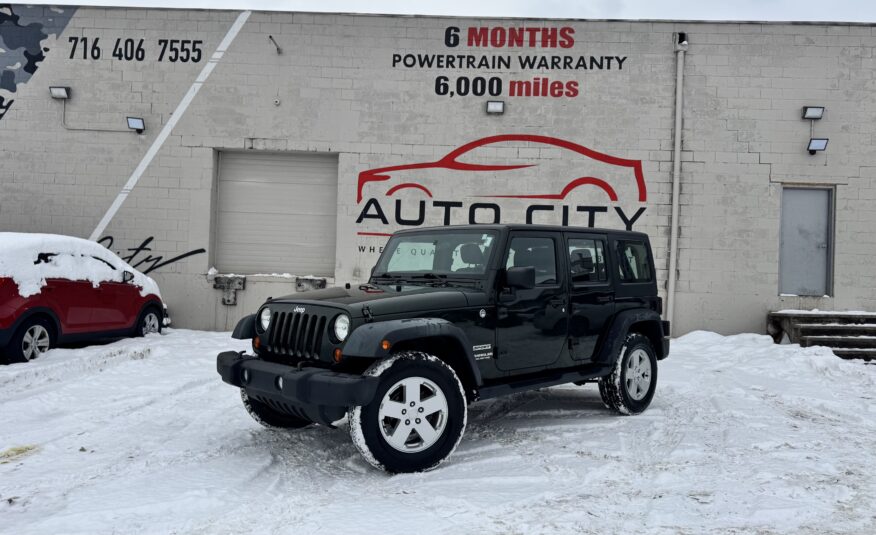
(520, 277)
(127, 276)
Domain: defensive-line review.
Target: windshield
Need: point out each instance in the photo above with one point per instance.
(439, 253)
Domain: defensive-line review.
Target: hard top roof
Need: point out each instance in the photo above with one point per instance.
(534, 228)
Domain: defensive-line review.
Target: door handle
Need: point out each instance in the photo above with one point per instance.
(604, 298)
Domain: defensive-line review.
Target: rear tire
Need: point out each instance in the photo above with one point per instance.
(270, 418)
(33, 338)
(148, 322)
(417, 417)
(631, 385)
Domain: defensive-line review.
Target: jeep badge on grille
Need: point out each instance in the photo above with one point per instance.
(298, 310)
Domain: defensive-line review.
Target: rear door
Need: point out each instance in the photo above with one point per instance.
(591, 292)
(532, 325)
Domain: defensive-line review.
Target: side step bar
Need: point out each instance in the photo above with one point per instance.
(535, 381)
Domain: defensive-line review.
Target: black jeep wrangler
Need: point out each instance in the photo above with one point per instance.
(452, 315)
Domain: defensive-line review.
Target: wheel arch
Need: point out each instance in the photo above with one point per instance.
(41, 312)
(643, 321)
(653, 332)
(152, 303)
(435, 336)
(452, 352)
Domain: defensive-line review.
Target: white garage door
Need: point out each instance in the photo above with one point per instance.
(276, 213)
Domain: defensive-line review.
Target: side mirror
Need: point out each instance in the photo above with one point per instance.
(520, 277)
(127, 276)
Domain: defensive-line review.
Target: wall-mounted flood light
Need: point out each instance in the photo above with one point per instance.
(495, 107)
(137, 123)
(817, 144)
(813, 113)
(59, 92)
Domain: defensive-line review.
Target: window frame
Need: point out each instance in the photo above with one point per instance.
(608, 263)
(618, 242)
(560, 263)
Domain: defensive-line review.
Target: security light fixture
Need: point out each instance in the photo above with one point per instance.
(137, 123)
(813, 113)
(59, 92)
(817, 144)
(495, 107)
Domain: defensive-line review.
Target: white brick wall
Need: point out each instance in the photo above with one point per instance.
(743, 138)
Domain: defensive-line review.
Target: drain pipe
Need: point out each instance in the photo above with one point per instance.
(680, 49)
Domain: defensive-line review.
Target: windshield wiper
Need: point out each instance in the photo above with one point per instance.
(429, 276)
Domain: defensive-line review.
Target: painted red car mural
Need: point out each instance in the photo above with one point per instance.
(56, 289)
(452, 161)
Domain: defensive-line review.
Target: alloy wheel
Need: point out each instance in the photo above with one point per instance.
(413, 414)
(638, 374)
(150, 323)
(36, 341)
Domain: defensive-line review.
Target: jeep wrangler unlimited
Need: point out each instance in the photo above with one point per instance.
(449, 316)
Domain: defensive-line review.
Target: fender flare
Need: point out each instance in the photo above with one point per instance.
(245, 329)
(152, 303)
(365, 341)
(616, 334)
(44, 311)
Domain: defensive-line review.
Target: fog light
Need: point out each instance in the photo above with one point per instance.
(279, 383)
(245, 376)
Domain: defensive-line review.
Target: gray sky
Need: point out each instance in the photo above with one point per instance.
(802, 10)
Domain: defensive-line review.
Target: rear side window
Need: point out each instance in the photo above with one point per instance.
(536, 252)
(632, 260)
(587, 260)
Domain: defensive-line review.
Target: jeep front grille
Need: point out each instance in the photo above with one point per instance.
(296, 334)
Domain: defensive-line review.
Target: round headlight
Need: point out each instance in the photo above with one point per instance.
(342, 327)
(265, 318)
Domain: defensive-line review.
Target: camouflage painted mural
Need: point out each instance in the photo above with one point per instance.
(24, 34)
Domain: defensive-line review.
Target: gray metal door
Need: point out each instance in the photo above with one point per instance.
(276, 213)
(806, 249)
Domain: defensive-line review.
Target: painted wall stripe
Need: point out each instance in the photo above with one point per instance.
(171, 123)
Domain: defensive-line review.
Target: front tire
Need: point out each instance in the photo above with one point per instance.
(631, 385)
(149, 322)
(270, 418)
(417, 417)
(32, 339)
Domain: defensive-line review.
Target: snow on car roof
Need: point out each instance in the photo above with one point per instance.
(31, 258)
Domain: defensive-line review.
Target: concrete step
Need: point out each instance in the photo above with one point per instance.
(848, 334)
(835, 329)
(838, 342)
(866, 353)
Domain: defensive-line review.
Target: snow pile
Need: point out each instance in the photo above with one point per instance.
(141, 436)
(30, 259)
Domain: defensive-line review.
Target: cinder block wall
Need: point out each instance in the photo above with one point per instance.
(339, 93)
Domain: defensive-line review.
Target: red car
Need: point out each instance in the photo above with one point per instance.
(57, 289)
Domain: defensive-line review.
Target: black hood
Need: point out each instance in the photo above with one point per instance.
(389, 298)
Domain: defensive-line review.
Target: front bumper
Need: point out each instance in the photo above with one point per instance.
(319, 394)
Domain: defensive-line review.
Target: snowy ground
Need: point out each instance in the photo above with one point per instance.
(141, 436)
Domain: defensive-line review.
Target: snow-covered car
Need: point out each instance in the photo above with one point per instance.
(56, 289)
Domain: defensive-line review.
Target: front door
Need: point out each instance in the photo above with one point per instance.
(591, 294)
(532, 324)
(805, 250)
